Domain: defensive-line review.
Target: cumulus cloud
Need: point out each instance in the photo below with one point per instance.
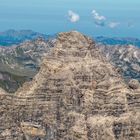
(73, 17)
(113, 24)
(98, 19)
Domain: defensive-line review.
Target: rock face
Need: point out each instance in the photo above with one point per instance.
(21, 62)
(77, 95)
(134, 84)
(126, 58)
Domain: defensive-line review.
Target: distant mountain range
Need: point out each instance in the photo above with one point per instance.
(118, 41)
(13, 37)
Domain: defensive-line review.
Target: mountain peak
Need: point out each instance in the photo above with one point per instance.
(74, 37)
(76, 95)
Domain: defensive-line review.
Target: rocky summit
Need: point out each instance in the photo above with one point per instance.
(77, 95)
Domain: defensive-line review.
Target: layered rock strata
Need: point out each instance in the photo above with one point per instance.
(77, 95)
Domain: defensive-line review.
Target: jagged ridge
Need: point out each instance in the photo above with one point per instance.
(77, 95)
(126, 58)
(21, 62)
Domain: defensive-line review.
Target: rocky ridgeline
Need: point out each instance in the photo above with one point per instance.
(21, 62)
(126, 58)
(77, 95)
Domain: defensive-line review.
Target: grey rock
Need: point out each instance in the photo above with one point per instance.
(134, 84)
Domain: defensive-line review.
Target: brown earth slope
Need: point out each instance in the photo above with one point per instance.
(77, 95)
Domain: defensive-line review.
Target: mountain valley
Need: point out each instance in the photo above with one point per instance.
(21, 62)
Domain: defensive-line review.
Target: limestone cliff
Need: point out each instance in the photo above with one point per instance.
(77, 95)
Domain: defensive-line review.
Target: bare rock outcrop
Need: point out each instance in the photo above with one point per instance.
(134, 84)
(77, 95)
(125, 57)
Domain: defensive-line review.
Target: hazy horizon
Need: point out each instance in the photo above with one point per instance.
(91, 17)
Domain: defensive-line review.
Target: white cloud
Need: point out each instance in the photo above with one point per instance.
(73, 17)
(97, 16)
(98, 19)
(113, 24)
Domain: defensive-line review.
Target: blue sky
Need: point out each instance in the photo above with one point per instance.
(119, 18)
